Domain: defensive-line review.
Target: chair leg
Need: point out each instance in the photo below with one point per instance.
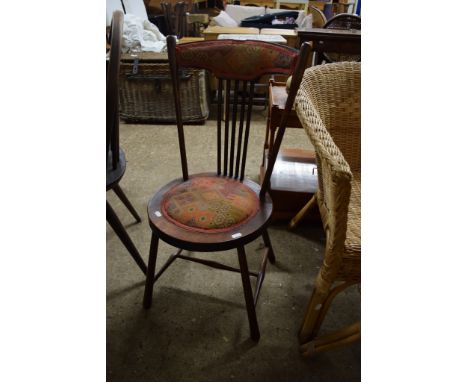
(266, 240)
(249, 301)
(345, 336)
(119, 229)
(119, 192)
(317, 309)
(303, 212)
(148, 297)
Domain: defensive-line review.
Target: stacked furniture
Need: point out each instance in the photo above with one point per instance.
(294, 181)
(230, 20)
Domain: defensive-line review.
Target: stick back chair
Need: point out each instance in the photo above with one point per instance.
(115, 156)
(222, 210)
(328, 105)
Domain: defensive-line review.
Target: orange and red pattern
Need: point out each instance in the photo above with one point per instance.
(241, 60)
(210, 204)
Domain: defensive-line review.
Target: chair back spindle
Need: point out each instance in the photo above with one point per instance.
(218, 124)
(171, 43)
(236, 137)
(175, 18)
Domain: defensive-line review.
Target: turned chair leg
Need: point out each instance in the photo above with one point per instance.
(303, 212)
(148, 297)
(266, 240)
(119, 229)
(119, 192)
(249, 301)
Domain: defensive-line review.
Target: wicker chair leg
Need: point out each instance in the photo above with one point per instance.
(303, 212)
(345, 336)
(311, 315)
(317, 310)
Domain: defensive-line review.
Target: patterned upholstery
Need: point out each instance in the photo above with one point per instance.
(210, 204)
(231, 60)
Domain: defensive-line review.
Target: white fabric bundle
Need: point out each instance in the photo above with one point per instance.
(306, 22)
(224, 20)
(140, 34)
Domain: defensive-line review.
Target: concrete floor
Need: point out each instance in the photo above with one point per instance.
(197, 328)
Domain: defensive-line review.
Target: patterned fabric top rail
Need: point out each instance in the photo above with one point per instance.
(238, 60)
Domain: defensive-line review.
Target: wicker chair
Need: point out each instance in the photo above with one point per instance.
(328, 106)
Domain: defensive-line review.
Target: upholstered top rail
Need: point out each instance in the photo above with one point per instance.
(227, 58)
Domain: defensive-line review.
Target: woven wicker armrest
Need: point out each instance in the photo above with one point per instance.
(333, 170)
(328, 106)
(330, 96)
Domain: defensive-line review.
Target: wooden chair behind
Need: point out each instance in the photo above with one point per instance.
(115, 156)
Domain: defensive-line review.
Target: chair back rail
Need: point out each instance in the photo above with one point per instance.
(237, 65)
(112, 90)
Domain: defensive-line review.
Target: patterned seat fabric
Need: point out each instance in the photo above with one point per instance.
(210, 204)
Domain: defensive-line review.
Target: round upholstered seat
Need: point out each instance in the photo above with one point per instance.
(210, 204)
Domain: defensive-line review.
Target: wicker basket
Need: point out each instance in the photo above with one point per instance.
(146, 94)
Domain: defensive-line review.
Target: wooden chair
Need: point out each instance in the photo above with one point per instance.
(222, 210)
(318, 17)
(115, 156)
(328, 105)
(176, 18)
